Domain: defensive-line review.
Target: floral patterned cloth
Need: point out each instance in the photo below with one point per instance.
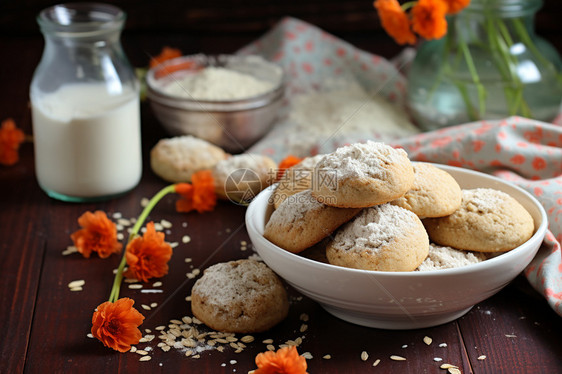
(525, 152)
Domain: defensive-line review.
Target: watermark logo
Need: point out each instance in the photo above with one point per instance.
(297, 180)
(242, 185)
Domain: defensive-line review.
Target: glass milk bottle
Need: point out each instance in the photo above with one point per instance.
(85, 105)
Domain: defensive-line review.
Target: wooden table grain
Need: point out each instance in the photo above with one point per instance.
(44, 325)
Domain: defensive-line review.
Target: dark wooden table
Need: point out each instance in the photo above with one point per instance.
(44, 325)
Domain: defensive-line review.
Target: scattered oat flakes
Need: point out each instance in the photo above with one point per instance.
(166, 224)
(130, 280)
(443, 345)
(307, 355)
(377, 361)
(448, 366)
(74, 289)
(510, 336)
(144, 202)
(437, 359)
(267, 341)
(145, 307)
(89, 335)
(454, 371)
(427, 340)
(247, 339)
(405, 346)
(153, 305)
(482, 357)
(304, 317)
(186, 239)
(135, 286)
(157, 284)
(364, 355)
(270, 347)
(327, 357)
(188, 260)
(145, 358)
(77, 283)
(174, 244)
(397, 358)
(141, 352)
(69, 250)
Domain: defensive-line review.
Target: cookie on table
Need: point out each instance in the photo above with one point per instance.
(243, 296)
(362, 175)
(241, 177)
(302, 221)
(448, 258)
(435, 192)
(488, 220)
(176, 159)
(295, 179)
(384, 238)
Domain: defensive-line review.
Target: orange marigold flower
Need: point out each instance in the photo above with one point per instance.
(10, 139)
(395, 21)
(287, 163)
(116, 324)
(455, 6)
(148, 256)
(428, 18)
(167, 53)
(98, 234)
(200, 195)
(285, 361)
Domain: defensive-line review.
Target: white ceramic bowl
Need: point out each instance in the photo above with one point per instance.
(400, 300)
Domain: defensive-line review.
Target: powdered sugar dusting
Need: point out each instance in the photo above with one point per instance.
(484, 200)
(373, 228)
(250, 161)
(362, 160)
(295, 207)
(224, 283)
(446, 257)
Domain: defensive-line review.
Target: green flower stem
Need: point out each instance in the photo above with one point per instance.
(114, 296)
(481, 90)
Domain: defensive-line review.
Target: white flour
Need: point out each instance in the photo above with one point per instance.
(217, 83)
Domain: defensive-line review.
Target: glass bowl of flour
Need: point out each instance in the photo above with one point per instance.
(231, 101)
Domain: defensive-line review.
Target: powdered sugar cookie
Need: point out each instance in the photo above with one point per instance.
(362, 175)
(241, 177)
(447, 258)
(301, 221)
(488, 220)
(243, 296)
(435, 192)
(384, 237)
(295, 179)
(176, 159)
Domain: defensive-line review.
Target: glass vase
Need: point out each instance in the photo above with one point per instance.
(490, 65)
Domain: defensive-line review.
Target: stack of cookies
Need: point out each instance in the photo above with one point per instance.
(371, 208)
